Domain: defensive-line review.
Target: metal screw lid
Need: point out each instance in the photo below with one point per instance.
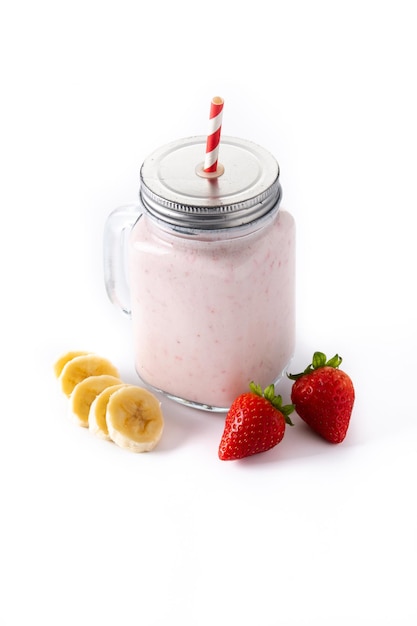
(175, 189)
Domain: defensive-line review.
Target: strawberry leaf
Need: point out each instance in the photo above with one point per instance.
(319, 360)
(256, 389)
(269, 394)
(334, 361)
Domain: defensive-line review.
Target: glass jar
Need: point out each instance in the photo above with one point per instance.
(210, 272)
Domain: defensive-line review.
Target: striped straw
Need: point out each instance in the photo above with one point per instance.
(213, 137)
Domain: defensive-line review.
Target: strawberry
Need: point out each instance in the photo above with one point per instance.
(255, 423)
(323, 397)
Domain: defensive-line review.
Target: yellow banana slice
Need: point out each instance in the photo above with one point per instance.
(97, 414)
(65, 358)
(84, 394)
(134, 419)
(83, 366)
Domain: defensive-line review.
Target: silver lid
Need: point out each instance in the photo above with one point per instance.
(175, 189)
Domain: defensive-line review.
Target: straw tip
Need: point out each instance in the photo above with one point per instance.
(217, 100)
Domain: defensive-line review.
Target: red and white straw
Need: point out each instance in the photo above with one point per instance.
(213, 137)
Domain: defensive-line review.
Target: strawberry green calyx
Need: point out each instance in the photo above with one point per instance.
(269, 394)
(319, 360)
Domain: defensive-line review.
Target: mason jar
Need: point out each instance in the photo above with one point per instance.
(204, 265)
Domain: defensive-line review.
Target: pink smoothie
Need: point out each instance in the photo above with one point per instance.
(210, 316)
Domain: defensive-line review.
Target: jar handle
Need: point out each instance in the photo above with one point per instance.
(116, 234)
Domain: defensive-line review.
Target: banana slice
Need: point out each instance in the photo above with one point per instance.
(134, 419)
(65, 358)
(83, 366)
(84, 394)
(97, 414)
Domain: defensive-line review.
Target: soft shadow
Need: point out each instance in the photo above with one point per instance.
(184, 424)
(299, 442)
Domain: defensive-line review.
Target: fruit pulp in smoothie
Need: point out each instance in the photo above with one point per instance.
(211, 315)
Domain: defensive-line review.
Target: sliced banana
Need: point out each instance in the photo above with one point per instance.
(65, 358)
(83, 366)
(84, 394)
(134, 419)
(97, 414)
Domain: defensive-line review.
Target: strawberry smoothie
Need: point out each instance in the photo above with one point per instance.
(211, 314)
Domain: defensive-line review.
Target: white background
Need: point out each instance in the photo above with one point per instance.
(307, 533)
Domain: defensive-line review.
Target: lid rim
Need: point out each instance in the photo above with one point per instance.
(229, 216)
